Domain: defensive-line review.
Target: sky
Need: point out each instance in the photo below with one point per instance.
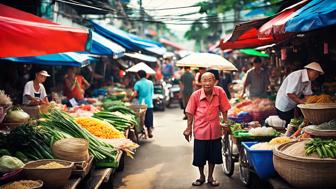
(162, 14)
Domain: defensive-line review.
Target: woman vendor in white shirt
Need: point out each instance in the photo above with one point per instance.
(296, 84)
(34, 92)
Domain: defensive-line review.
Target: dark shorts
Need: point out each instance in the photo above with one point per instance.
(207, 150)
(149, 118)
(287, 116)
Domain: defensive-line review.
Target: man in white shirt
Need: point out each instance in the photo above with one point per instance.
(296, 84)
(34, 92)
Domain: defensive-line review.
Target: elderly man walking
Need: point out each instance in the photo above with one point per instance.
(203, 112)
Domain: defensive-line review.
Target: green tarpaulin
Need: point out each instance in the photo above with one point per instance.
(253, 52)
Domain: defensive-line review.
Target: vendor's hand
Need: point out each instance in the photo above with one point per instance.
(187, 134)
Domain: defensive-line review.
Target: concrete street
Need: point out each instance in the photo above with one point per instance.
(165, 161)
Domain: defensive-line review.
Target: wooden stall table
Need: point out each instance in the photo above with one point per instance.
(101, 176)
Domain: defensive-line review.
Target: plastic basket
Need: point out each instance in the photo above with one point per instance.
(261, 160)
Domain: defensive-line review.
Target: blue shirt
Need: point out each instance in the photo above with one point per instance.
(145, 90)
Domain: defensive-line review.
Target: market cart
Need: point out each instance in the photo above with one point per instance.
(233, 151)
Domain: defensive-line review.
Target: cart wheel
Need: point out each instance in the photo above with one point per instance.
(228, 163)
(244, 168)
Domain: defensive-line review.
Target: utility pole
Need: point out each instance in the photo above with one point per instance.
(142, 18)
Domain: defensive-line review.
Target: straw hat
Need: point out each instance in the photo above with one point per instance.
(315, 66)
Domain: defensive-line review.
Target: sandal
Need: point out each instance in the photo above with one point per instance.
(213, 183)
(198, 182)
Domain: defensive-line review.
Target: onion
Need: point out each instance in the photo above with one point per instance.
(17, 116)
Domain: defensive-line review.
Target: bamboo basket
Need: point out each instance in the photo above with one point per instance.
(302, 172)
(318, 113)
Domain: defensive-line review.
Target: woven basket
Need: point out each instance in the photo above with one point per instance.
(52, 178)
(304, 172)
(318, 113)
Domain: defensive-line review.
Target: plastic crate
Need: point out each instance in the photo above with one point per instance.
(261, 160)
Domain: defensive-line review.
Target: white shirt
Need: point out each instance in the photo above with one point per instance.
(30, 90)
(297, 83)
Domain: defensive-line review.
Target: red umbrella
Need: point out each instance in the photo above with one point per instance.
(24, 34)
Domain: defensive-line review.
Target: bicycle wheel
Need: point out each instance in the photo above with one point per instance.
(244, 168)
(228, 162)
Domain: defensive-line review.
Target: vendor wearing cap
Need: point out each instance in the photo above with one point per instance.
(34, 92)
(296, 84)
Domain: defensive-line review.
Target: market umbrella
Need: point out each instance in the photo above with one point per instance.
(141, 66)
(24, 34)
(253, 52)
(206, 60)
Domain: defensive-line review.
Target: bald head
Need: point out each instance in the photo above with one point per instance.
(208, 75)
(208, 82)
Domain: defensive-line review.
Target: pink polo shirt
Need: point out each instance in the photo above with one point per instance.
(206, 114)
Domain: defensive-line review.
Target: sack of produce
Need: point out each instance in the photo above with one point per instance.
(9, 163)
(71, 149)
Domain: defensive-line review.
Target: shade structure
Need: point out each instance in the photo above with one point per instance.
(171, 44)
(24, 34)
(314, 15)
(249, 39)
(129, 41)
(103, 46)
(141, 66)
(245, 35)
(253, 52)
(206, 60)
(142, 57)
(60, 59)
(276, 26)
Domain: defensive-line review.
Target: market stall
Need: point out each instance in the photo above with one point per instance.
(66, 144)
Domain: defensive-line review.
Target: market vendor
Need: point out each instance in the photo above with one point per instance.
(75, 85)
(295, 85)
(256, 81)
(34, 92)
(198, 76)
(203, 112)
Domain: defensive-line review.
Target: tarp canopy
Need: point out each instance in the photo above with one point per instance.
(276, 26)
(314, 15)
(141, 57)
(129, 41)
(171, 44)
(245, 35)
(103, 46)
(253, 52)
(60, 59)
(24, 34)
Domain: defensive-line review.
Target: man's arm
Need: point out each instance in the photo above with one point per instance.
(188, 131)
(86, 84)
(246, 83)
(295, 98)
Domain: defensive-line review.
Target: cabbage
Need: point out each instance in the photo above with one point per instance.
(17, 116)
(9, 163)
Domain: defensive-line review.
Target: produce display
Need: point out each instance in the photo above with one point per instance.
(99, 128)
(16, 115)
(51, 165)
(323, 98)
(61, 121)
(330, 125)
(119, 120)
(258, 104)
(5, 100)
(271, 144)
(9, 163)
(262, 131)
(22, 184)
(324, 148)
(297, 149)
